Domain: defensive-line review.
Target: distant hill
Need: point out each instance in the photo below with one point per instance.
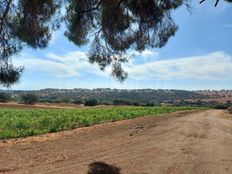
(109, 95)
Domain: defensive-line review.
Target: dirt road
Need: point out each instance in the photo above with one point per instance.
(190, 142)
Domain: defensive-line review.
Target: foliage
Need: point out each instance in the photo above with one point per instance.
(78, 102)
(65, 100)
(221, 107)
(4, 97)
(126, 102)
(112, 27)
(91, 102)
(106, 103)
(98, 167)
(26, 122)
(228, 103)
(24, 22)
(121, 102)
(136, 103)
(9, 74)
(216, 1)
(107, 96)
(115, 26)
(29, 99)
(150, 104)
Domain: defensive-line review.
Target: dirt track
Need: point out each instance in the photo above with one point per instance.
(190, 142)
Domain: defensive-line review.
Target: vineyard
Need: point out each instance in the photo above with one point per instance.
(27, 122)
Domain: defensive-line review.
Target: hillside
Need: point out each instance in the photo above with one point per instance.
(109, 95)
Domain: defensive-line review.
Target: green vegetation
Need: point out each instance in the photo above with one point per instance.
(27, 122)
(91, 102)
(78, 102)
(4, 97)
(112, 96)
(29, 99)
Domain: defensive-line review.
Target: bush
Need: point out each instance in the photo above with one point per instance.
(65, 101)
(150, 104)
(121, 102)
(78, 102)
(136, 104)
(228, 103)
(46, 100)
(101, 167)
(91, 102)
(220, 107)
(29, 99)
(105, 103)
(118, 102)
(4, 97)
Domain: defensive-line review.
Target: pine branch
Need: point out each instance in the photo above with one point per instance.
(217, 1)
(5, 14)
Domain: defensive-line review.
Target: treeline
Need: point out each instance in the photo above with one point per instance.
(32, 98)
(24, 98)
(109, 95)
(199, 103)
(106, 96)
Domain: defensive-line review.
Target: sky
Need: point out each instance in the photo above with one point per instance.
(198, 57)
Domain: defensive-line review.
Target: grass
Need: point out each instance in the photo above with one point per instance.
(27, 122)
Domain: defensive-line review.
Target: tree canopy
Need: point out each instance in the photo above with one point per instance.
(111, 27)
(29, 99)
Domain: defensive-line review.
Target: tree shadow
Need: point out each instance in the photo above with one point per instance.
(98, 167)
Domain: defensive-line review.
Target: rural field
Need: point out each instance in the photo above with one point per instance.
(33, 121)
(115, 87)
(162, 140)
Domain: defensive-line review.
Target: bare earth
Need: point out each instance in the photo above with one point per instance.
(191, 142)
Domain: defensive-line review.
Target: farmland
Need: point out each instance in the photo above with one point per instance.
(27, 122)
(198, 141)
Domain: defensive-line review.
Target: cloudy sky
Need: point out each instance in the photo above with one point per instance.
(199, 56)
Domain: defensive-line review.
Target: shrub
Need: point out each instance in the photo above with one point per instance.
(78, 102)
(150, 104)
(121, 102)
(105, 103)
(65, 101)
(91, 102)
(228, 103)
(4, 97)
(136, 104)
(46, 100)
(102, 167)
(220, 107)
(29, 99)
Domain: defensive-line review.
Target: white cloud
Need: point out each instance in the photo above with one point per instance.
(146, 56)
(146, 53)
(68, 65)
(49, 67)
(70, 57)
(214, 66)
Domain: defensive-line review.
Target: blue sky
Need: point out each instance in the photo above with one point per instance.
(199, 56)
